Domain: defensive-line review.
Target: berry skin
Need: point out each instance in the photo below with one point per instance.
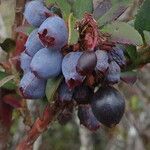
(86, 63)
(36, 13)
(102, 61)
(64, 93)
(87, 118)
(113, 73)
(69, 64)
(53, 32)
(46, 63)
(31, 87)
(108, 106)
(25, 61)
(83, 94)
(33, 44)
(117, 55)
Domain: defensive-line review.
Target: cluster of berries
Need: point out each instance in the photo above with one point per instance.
(43, 59)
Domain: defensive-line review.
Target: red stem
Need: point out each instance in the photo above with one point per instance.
(39, 126)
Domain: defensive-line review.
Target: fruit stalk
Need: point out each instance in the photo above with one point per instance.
(39, 126)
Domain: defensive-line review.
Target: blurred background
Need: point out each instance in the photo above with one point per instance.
(133, 133)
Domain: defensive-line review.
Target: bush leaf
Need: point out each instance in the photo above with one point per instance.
(123, 33)
(147, 37)
(51, 87)
(73, 34)
(79, 7)
(5, 81)
(8, 45)
(142, 21)
(63, 5)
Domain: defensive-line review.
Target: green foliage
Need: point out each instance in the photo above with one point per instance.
(132, 52)
(147, 37)
(122, 32)
(52, 86)
(113, 13)
(142, 21)
(5, 81)
(79, 7)
(64, 5)
(73, 34)
(8, 45)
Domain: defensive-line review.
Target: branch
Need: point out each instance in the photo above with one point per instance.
(142, 59)
(40, 125)
(18, 16)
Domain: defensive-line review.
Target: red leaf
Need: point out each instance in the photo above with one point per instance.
(5, 114)
(12, 100)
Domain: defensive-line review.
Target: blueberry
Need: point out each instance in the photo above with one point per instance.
(87, 118)
(108, 106)
(113, 73)
(46, 63)
(53, 32)
(33, 44)
(64, 93)
(86, 63)
(117, 55)
(36, 13)
(83, 94)
(69, 64)
(25, 61)
(102, 61)
(32, 87)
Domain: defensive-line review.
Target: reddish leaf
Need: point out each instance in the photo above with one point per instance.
(12, 100)
(5, 114)
(129, 77)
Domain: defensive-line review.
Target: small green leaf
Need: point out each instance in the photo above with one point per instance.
(102, 8)
(132, 52)
(5, 81)
(8, 45)
(147, 37)
(123, 33)
(80, 7)
(142, 21)
(51, 87)
(113, 13)
(73, 33)
(63, 5)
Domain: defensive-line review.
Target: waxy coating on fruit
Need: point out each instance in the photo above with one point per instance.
(35, 13)
(46, 63)
(32, 87)
(53, 32)
(64, 93)
(108, 106)
(83, 94)
(87, 118)
(25, 61)
(113, 73)
(86, 63)
(102, 61)
(117, 55)
(69, 64)
(33, 43)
